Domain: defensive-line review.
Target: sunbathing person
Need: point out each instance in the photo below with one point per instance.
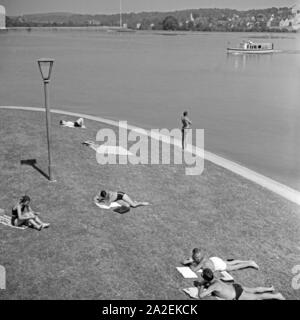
(91, 144)
(199, 260)
(234, 291)
(78, 123)
(108, 197)
(23, 215)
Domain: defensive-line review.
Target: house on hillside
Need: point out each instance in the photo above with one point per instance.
(295, 21)
(2, 17)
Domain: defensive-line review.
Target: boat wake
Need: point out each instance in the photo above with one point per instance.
(289, 51)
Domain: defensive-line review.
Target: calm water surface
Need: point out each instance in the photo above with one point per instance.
(249, 106)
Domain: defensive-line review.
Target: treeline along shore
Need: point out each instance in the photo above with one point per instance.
(260, 20)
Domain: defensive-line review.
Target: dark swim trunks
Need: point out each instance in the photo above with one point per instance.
(120, 195)
(238, 290)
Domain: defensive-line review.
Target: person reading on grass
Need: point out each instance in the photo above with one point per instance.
(23, 215)
(108, 197)
(210, 286)
(199, 260)
(78, 123)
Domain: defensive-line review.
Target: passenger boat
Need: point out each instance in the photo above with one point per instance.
(252, 47)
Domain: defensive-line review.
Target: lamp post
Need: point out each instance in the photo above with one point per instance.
(45, 66)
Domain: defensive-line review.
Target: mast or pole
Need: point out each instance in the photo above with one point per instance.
(120, 13)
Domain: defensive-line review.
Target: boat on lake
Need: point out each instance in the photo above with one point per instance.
(252, 47)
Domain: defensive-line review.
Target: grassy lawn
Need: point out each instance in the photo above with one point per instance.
(89, 253)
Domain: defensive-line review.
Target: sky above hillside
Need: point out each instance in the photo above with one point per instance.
(19, 7)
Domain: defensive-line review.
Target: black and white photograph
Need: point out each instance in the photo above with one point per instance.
(149, 151)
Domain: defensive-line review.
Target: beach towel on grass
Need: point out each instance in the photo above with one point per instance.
(188, 273)
(117, 207)
(113, 205)
(6, 221)
(105, 149)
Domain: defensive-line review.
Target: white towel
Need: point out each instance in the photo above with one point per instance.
(105, 149)
(105, 206)
(192, 292)
(6, 221)
(187, 273)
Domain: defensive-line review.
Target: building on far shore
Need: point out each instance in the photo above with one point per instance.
(2, 17)
(296, 17)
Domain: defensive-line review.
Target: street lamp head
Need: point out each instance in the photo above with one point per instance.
(45, 66)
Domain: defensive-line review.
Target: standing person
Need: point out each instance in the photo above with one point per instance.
(23, 215)
(234, 291)
(186, 125)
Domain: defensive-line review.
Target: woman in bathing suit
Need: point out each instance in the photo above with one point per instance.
(111, 196)
(79, 123)
(23, 215)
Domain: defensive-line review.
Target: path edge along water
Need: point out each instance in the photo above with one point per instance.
(268, 183)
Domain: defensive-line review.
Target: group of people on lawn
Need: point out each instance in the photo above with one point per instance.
(209, 283)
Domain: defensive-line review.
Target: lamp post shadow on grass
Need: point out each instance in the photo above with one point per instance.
(33, 164)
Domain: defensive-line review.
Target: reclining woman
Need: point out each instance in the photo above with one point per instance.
(23, 215)
(108, 197)
(79, 123)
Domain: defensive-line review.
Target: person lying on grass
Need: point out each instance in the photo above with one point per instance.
(210, 286)
(79, 123)
(199, 260)
(23, 215)
(107, 197)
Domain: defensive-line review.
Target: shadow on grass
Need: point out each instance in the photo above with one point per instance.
(33, 164)
(122, 210)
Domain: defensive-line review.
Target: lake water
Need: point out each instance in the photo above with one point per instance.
(249, 106)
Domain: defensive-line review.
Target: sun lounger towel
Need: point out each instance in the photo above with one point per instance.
(105, 206)
(187, 273)
(6, 221)
(193, 293)
(105, 149)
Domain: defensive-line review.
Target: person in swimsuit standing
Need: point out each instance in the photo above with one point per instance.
(186, 125)
(234, 291)
(110, 196)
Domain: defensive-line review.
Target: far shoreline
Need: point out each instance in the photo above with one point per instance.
(128, 30)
